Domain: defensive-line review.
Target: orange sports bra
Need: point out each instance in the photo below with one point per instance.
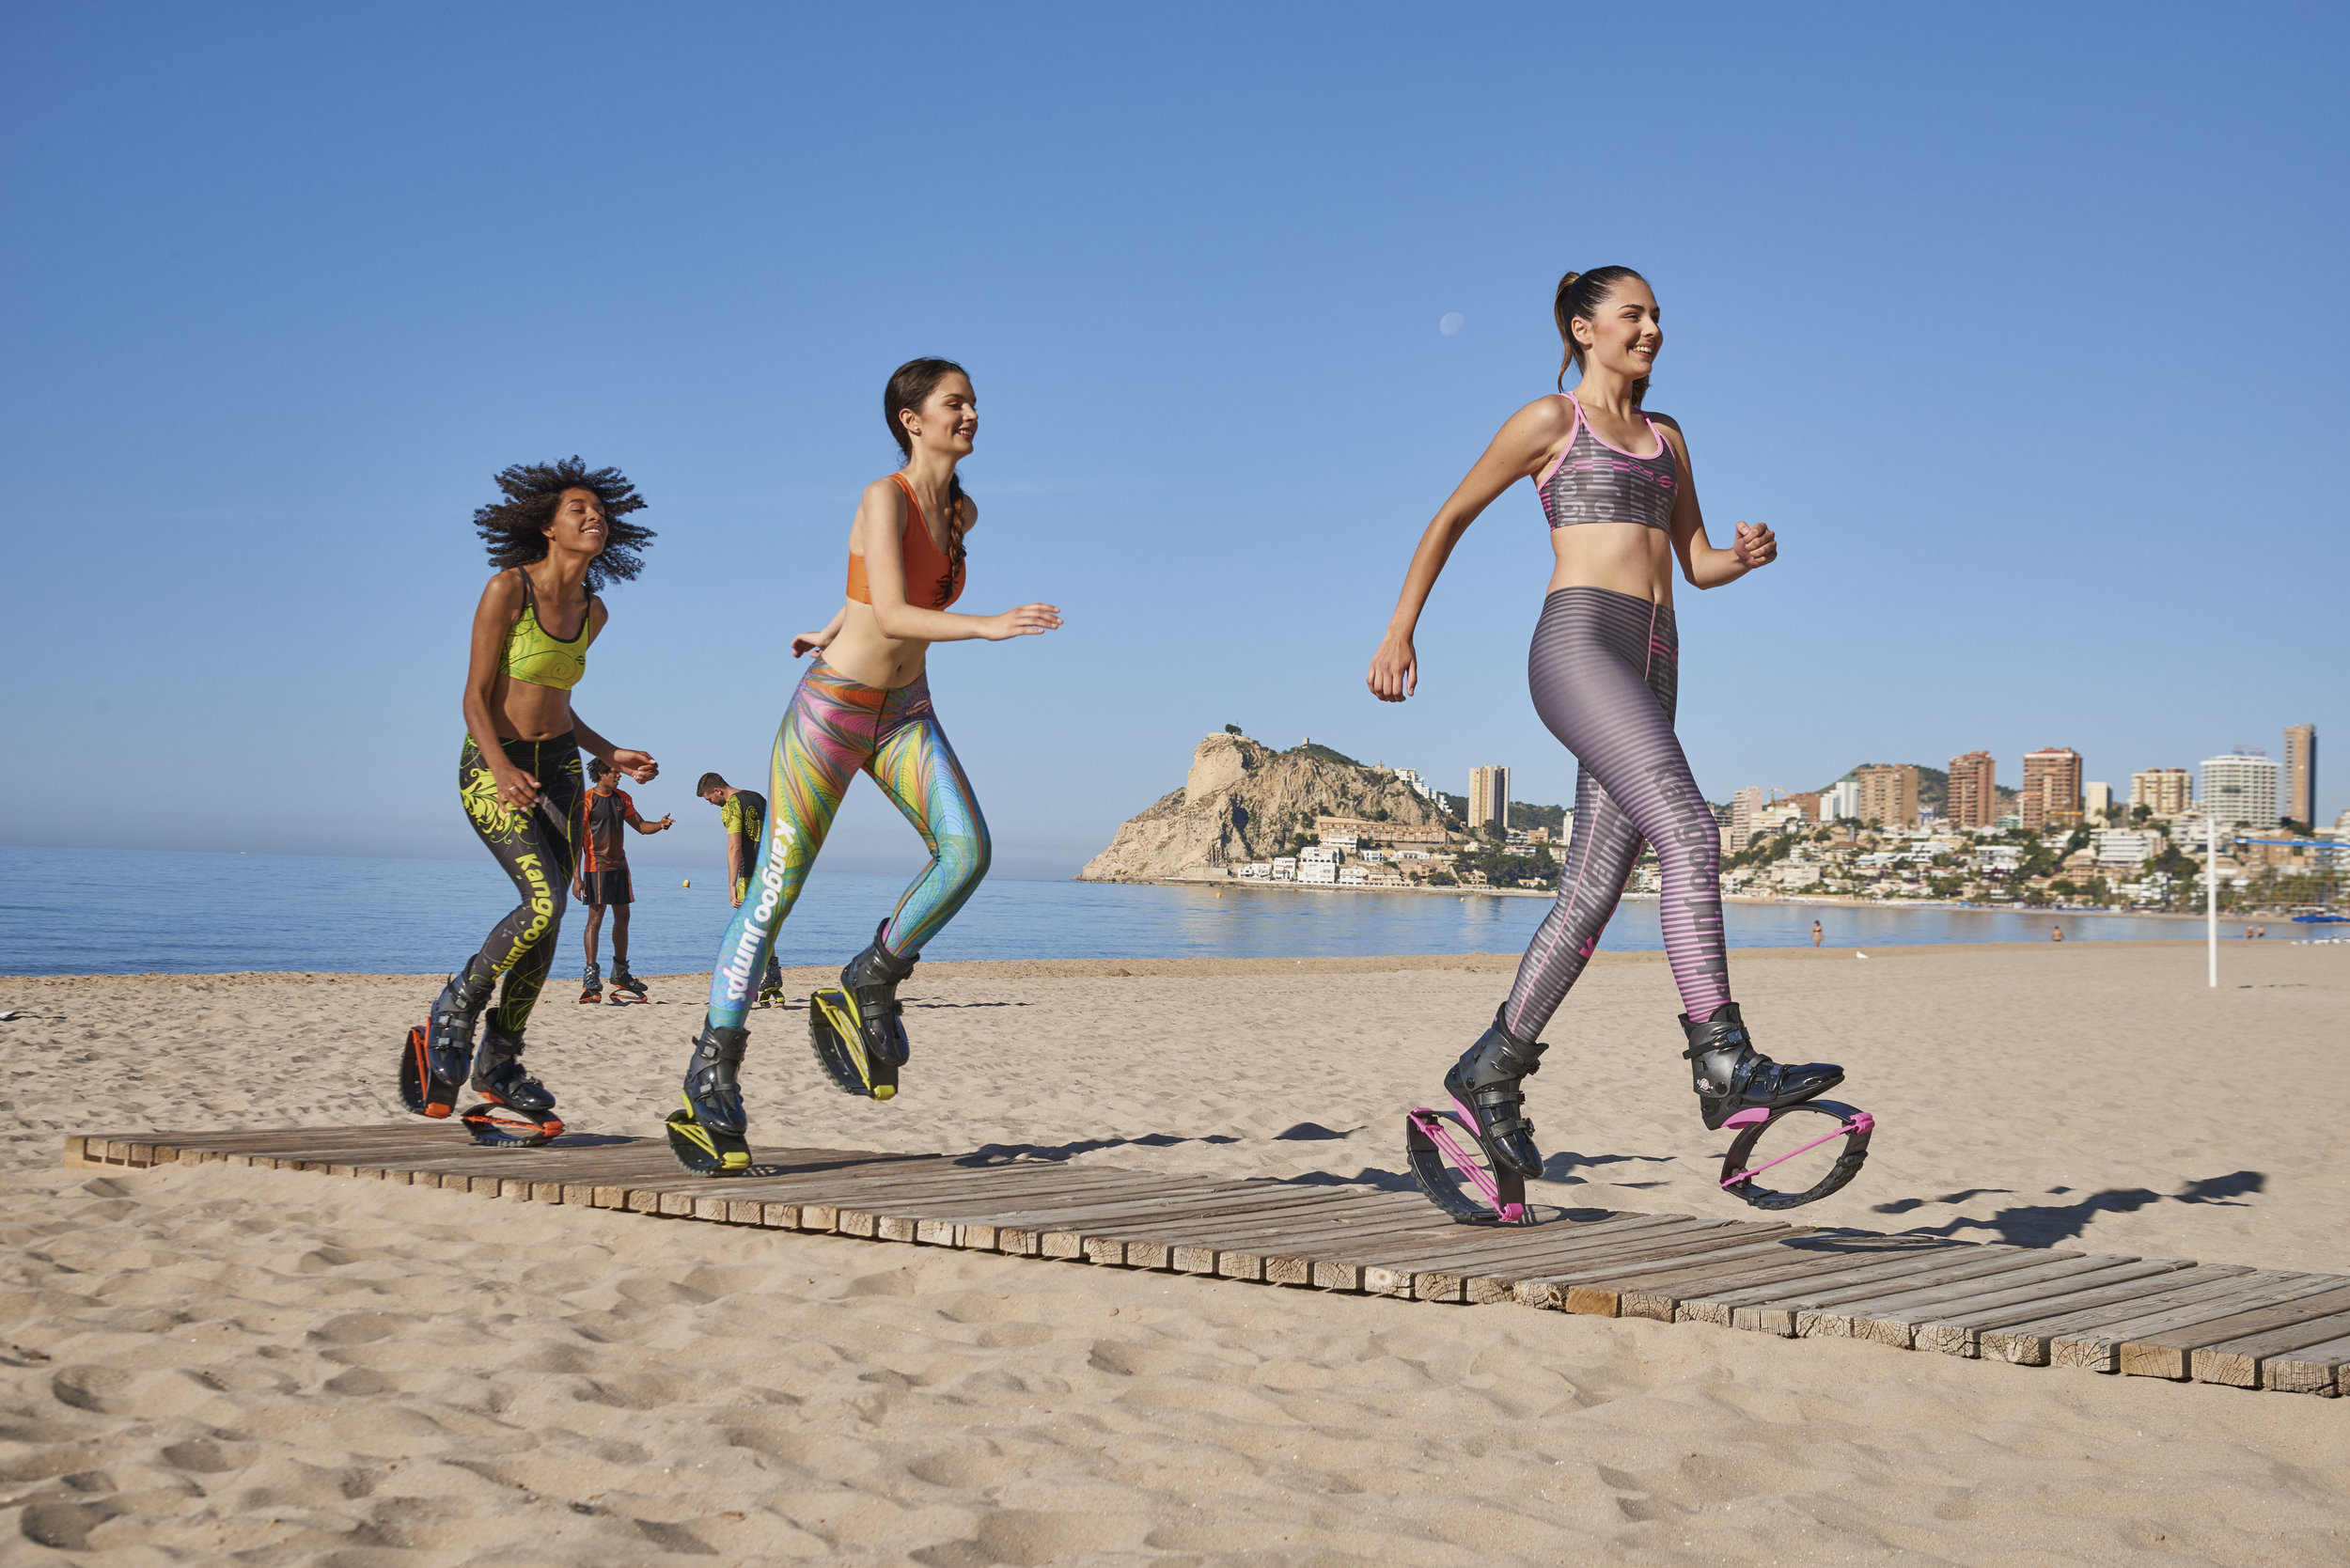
(925, 564)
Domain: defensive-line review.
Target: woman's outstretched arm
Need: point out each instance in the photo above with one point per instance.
(1516, 450)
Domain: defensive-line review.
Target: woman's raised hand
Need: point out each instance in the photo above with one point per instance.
(1394, 670)
(1755, 545)
(1026, 622)
(638, 766)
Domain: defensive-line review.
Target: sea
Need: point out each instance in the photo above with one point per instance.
(112, 911)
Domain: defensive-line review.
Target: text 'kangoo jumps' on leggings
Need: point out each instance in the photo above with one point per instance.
(535, 848)
(1604, 668)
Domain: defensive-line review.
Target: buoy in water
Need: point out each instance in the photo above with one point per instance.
(689, 881)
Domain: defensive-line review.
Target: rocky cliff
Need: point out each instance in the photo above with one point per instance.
(1244, 801)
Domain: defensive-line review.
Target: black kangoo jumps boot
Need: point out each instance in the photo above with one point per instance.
(500, 1077)
(591, 986)
(624, 981)
(712, 1092)
(707, 1136)
(858, 1031)
(1730, 1076)
(1485, 1081)
(448, 1040)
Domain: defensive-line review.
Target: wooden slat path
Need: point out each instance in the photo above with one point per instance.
(2151, 1317)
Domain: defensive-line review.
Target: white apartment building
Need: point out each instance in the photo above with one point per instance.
(2241, 786)
(1339, 840)
(1321, 854)
(1418, 786)
(1319, 872)
(2116, 846)
(1284, 869)
(1261, 870)
(1840, 801)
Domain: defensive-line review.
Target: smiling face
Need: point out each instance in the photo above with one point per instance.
(1624, 330)
(578, 523)
(948, 420)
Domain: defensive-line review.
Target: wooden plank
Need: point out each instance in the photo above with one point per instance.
(1494, 1274)
(1434, 1266)
(2028, 1340)
(1800, 1306)
(1841, 1312)
(1390, 1264)
(1893, 1320)
(2167, 1354)
(1658, 1294)
(2237, 1362)
(2323, 1370)
(1954, 1329)
(1652, 1287)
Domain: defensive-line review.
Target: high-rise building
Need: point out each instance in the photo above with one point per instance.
(2052, 788)
(2300, 779)
(2241, 788)
(1974, 794)
(1889, 793)
(1840, 801)
(2164, 792)
(1744, 808)
(2095, 798)
(1489, 798)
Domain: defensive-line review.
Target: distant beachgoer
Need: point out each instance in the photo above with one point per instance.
(2056, 934)
(743, 815)
(1816, 933)
(556, 538)
(864, 705)
(602, 880)
(1615, 482)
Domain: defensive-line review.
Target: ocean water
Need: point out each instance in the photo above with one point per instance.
(88, 911)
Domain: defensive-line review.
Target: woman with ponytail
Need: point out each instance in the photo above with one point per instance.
(864, 705)
(1616, 485)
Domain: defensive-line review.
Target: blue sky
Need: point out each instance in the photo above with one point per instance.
(2022, 326)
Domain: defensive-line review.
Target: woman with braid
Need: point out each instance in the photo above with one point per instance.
(864, 706)
(555, 539)
(1616, 485)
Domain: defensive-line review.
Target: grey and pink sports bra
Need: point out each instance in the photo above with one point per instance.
(1590, 481)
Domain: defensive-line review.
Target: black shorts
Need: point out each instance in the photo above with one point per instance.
(606, 887)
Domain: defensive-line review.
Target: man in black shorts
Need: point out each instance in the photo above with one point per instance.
(742, 813)
(603, 877)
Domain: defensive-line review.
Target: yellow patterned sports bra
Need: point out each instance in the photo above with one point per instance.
(536, 655)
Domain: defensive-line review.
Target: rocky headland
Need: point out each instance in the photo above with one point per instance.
(1244, 801)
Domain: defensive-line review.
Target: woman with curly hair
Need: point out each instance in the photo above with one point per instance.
(556, 538)
(864, 706)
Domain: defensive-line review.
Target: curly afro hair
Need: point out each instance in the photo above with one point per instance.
(511, 528)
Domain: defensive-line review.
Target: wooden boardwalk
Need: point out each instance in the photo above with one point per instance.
(2155, 1317)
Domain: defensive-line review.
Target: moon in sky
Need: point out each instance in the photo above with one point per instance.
(1452, 323)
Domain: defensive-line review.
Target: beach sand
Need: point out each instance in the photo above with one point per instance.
(213, 1364)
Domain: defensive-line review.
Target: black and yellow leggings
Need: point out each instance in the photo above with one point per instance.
(535, 848)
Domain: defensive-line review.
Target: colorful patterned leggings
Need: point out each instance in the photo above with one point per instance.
(1605, 668)
(534, 847)
(833, 727)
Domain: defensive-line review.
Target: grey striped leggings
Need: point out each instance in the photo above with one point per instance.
(1604, 668)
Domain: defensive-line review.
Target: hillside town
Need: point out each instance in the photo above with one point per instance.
(1897, 832)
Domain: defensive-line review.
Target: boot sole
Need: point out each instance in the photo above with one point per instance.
(834, 1034)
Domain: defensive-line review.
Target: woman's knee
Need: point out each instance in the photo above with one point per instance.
(963, 857)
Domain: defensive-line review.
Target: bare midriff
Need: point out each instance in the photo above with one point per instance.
(1623, 557)
(869, 657)
(524, 712)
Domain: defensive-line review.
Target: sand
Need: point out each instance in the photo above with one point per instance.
(212, 1364)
